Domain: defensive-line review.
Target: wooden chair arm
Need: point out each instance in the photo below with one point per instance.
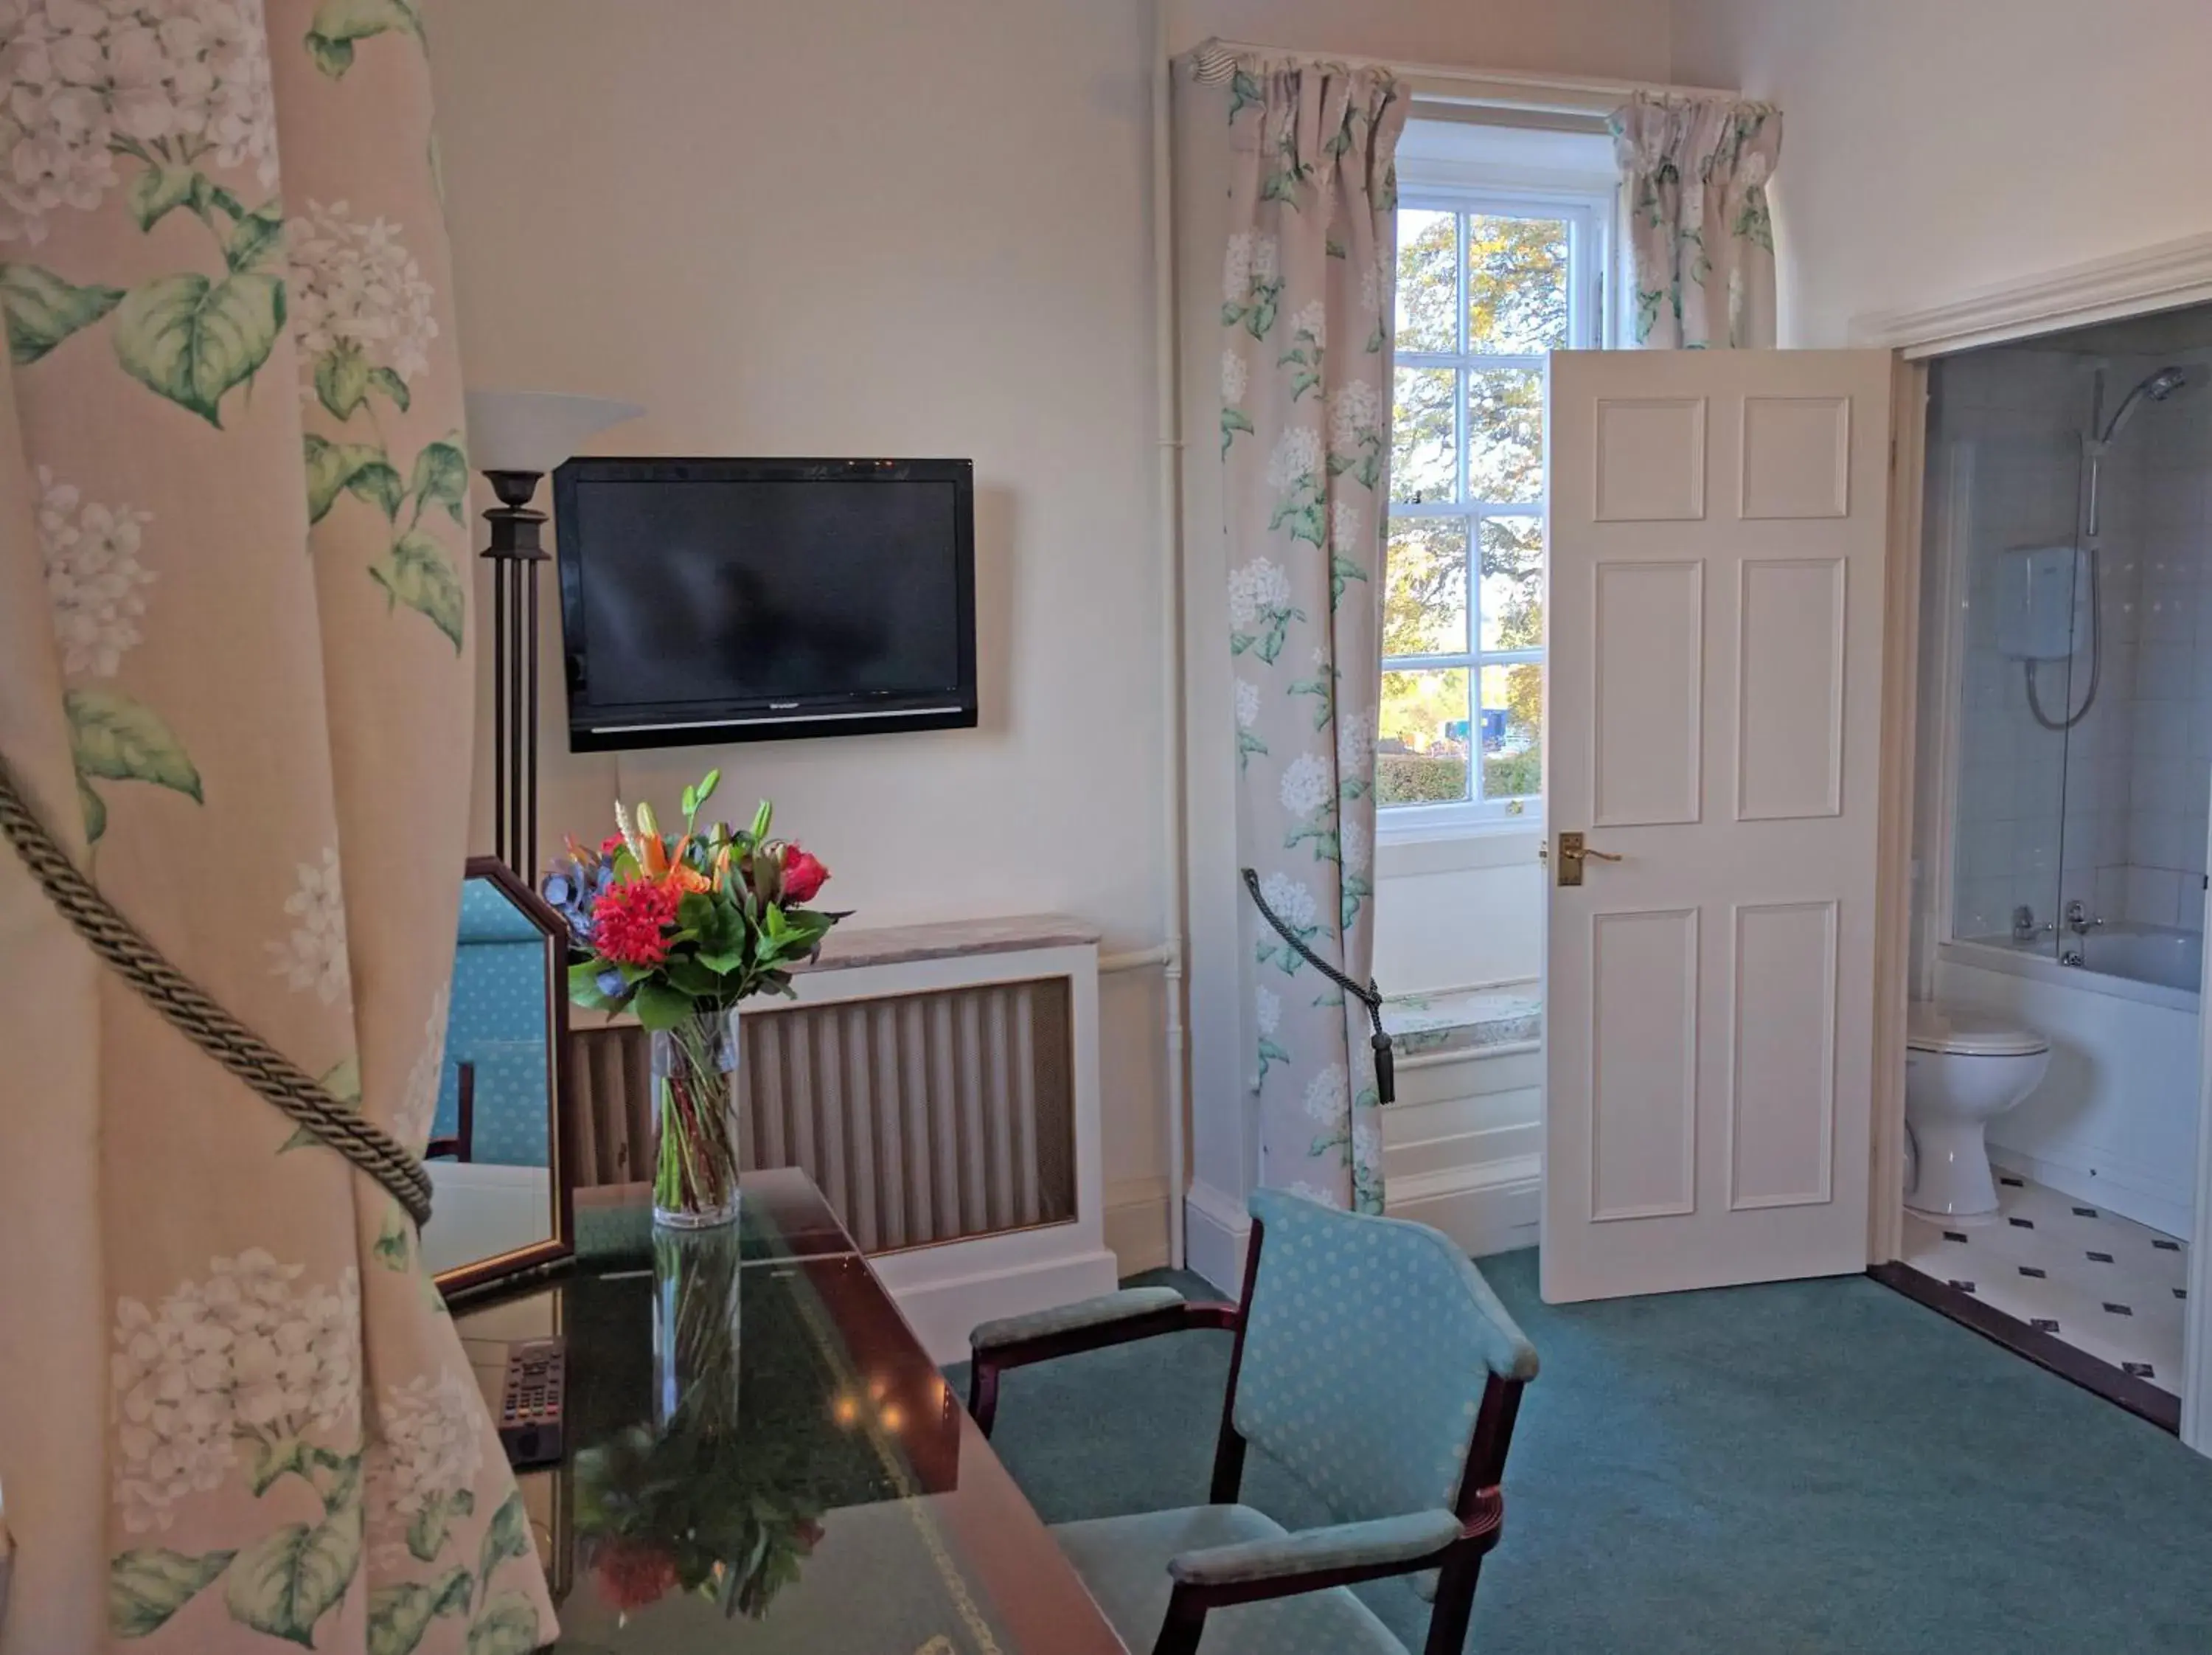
(1094, 1324)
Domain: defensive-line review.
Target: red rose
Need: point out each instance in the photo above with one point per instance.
(803, 874)
(632, 1574)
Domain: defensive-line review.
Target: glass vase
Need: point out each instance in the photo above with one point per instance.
(694, 1121)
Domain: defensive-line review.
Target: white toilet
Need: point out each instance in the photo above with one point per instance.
(1963, 1067)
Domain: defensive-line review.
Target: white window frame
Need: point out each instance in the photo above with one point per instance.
(1590, 214)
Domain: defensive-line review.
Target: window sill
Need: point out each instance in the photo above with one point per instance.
(1447, 847)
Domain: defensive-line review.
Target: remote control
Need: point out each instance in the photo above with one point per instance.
(530, 1403)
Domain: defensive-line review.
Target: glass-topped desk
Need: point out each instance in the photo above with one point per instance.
(761, 1457)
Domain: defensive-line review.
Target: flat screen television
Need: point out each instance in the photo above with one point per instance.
(712, 601)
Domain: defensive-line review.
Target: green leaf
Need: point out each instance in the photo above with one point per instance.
(399, 1616)
(271, 1460)
(145, 1588)
(426, 1535)
(333, 58)
(42, 309)
(342, 381)
(287, 1580)
(441, 478)
(340, 1484)
(194, 340)
(338, 23)
(390, 1244)
(508, 1626)
(506, 1536)
(378, 485)
(333, 466)
(255, 237)
(156, 191)
(417, 574)
(384, 380)
(660, 1007)
(119, 739)
(95, 812)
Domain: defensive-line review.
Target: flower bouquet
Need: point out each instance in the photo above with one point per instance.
(678, 928)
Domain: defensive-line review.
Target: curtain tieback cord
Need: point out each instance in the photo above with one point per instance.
(188, 1008)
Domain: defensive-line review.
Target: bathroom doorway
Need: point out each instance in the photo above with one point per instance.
(2065, 770)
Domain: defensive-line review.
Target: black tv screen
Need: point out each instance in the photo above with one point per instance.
(707, 600)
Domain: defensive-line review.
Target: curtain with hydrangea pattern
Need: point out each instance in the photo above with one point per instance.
(1700, 238)
(1307, 289)
(235, 678)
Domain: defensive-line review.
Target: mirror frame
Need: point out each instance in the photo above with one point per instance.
(560, 1147)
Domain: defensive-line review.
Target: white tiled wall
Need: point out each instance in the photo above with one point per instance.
(2112, 812)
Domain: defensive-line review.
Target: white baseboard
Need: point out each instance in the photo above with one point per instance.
(1137, 1223)
(2162, 1203)
(1490, 1207)
(944, 1291)
(1216, 1228)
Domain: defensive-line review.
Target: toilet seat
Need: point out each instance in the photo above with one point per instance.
(1966, 1032)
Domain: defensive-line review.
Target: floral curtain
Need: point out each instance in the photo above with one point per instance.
(235, 676)
(1308, 290)
(1700, 240)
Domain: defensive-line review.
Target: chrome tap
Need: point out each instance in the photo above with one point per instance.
(2078, 921)
(2023, 924)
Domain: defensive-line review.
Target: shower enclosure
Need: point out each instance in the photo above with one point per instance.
(2071, 483)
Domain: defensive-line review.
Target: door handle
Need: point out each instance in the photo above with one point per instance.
(1573, 853)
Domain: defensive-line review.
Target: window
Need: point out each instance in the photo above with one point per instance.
(1490, 279)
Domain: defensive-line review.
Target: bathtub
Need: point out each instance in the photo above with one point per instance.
(2114, 1121)
(2161, 964)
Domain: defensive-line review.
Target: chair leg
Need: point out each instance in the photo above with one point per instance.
(983, 1393)
(1184, 1626)
(1455, 1605)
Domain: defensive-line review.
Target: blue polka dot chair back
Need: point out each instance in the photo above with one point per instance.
(497, 1023)
(1368, 1344)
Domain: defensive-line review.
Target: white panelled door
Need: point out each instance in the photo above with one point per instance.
(1719, 527)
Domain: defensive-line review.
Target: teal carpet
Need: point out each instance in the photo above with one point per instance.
(1813, 1466)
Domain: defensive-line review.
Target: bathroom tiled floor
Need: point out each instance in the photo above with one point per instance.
(2103, 1284)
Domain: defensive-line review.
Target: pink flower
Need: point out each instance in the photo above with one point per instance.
(803, 875)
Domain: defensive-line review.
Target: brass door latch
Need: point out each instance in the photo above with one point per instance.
(1572, 852)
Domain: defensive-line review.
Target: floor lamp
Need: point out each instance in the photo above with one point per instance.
(516, 437)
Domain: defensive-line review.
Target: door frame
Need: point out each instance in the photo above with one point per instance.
(2165, 277)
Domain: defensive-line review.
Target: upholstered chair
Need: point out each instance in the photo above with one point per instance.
(1373, 1362)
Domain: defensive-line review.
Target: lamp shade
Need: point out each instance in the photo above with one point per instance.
(536, 430)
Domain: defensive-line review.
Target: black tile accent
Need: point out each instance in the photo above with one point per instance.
(2118, 1310)
(2140, 1370)
(2098, 1258)
(2030, 1269)
(2043, 1325)
(2013, 1183)
(2022, 1223)
(1964, 1286)
(2166, 1247)
(2085, 1212)
(2181, 1292)
(1955, 1235)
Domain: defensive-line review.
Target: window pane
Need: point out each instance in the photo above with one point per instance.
(1423, 447)
(1425, 587)
(1421, 755)
(1516, 283)
(1512, 583)
(1428, 280)
(1512, 731)
(1505, 434)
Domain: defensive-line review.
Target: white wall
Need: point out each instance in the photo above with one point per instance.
(1930, 149)
(849, 227)
(1458, 913)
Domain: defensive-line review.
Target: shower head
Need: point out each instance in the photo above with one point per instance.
(2156, 387)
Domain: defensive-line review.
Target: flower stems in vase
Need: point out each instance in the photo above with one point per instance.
(696, 1125)
(677, 928)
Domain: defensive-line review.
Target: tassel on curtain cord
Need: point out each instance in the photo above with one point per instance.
(188, 1009)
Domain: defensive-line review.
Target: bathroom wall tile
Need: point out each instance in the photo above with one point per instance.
(2165, 672)
(2154, 895)
(2112, 897)
(2154, 839)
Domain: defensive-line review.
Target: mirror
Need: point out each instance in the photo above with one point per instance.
(500, 1162)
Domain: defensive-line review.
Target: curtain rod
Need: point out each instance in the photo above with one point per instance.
(1499, 88)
